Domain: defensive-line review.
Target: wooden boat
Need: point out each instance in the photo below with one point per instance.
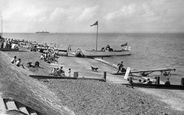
(64, 77)
(61, 52)
(104, 52)
(98, 53)
(7, 49)
(120, 73)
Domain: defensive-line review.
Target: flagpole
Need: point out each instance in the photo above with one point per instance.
(97, 38)
(1, 26)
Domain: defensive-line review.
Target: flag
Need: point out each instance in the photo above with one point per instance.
(96, 23)
(124, 44)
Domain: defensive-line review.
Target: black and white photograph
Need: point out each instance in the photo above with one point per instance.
(91, 57)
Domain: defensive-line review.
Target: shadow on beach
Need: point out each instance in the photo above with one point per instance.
(161, 86)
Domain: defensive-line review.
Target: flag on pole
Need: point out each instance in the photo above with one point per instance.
(96, 23)
(124, 44)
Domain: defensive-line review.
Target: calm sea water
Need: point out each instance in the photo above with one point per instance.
(149, 50)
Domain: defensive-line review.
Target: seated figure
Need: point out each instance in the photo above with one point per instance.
(167, 82)
(19, 64)
(14, 60)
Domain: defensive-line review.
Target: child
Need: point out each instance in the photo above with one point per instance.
(69, 72)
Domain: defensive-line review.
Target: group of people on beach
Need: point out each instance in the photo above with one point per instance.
(49, 57)
(60, 72)
(8, 43)
(17, 62)
(148, 81)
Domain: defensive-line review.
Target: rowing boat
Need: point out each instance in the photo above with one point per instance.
(8, 49)
(99, 53)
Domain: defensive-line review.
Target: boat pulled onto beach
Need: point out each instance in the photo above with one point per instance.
(8, 49)
(104, 52)
(98, 53)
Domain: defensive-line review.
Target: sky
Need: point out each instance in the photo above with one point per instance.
(64, 16)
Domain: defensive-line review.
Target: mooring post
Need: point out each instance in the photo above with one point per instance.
(182, 81)
(157, 80)
(105, 75)
(75, 74)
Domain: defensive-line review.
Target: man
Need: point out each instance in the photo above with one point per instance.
(121, 67)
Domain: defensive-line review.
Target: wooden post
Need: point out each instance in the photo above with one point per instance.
(182, 81)
(158, 80)
(75, 74)
(105, 75)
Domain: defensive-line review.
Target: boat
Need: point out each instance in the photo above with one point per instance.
(61, 52)
(126, 51)
(64, 77)
(42, 32)
(7, 49)
(104, 52)
(98, 53)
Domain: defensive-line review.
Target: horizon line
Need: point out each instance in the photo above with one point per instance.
(82, 32)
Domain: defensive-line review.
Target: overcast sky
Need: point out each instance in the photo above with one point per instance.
(78, 15)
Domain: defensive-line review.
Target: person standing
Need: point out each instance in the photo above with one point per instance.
(121, 67)
(69, 72)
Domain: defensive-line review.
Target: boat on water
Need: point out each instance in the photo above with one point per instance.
(42, 32)
(103, 53)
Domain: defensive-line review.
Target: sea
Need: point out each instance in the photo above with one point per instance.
(148, 50)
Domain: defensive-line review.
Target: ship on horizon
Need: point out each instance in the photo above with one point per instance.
(42, 32)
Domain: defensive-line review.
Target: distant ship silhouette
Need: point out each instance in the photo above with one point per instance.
(42, 32)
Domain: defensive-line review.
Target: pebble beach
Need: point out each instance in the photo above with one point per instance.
(90, 97)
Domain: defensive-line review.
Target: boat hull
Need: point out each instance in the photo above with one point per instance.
(93, 53)
(7, 49)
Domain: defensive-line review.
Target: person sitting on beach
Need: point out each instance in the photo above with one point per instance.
(18, 63)
(130, 80)
(14, 60)
(167, 82)
(121, 67)
(54, 71)
(37, 64)
(102, 49)
(61, 72)
(148, 81)
(42, 57)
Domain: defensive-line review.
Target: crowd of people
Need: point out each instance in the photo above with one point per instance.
(8, 43)
(49, 57)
